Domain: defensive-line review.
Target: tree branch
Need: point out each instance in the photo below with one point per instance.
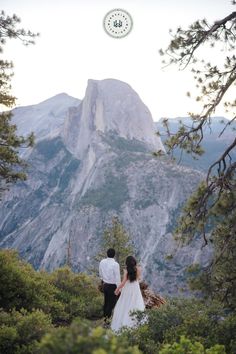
(220, 160)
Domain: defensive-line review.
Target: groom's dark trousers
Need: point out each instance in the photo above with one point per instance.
(109, 299)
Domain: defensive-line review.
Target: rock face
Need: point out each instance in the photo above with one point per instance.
(45, 119)
(109, 106)
(92, 161)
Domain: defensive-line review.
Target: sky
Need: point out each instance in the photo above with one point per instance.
(73, 47)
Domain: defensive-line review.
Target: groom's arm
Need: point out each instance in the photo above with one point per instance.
(122, 283)
(100, 271)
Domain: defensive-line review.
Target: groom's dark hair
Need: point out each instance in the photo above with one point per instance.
(111, 253)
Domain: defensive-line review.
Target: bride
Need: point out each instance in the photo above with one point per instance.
(130, 299)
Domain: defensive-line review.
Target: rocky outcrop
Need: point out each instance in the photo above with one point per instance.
(151, 300)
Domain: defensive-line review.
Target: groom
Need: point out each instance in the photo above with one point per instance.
(109, 272)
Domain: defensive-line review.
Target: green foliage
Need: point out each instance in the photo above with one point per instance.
(211, 210)
(61, 174)
(20, 331)
(35, 306)
(9, 30)
(12, 167)
(81, 338)
(212, 80)
(218, 280)
(124, 159)
(202, 322)
(78, 292)
(63, 294)
(110, 196)
(185, 346)
(116, 237)
(49, 148)
(212, 145)
(23, 287)
(118, 143)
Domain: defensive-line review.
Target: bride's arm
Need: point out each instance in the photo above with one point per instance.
(139, 273)
(118, 289)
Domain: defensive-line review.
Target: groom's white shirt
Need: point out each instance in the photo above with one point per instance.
(109, 271)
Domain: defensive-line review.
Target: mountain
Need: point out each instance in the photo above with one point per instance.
(213, 144)
(45, 119)
(92, 161)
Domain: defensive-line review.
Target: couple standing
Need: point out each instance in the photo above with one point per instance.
(124, 297)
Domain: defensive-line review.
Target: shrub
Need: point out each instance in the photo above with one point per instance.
(63, 294)
(20, 331)
(23, 287)
(185, 346)
(78, 292)
(206, 323)
(81, 338)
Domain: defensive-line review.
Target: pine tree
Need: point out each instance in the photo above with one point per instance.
(218, 279)
(210, 211)
(12, 167)
(116, 237)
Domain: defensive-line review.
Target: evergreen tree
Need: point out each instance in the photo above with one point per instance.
(116, 237)
(218, 279)
(12, 167)
(212, 206)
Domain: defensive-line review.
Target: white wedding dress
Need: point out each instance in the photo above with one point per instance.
(130, 300)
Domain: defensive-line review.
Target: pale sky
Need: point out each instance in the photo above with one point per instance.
(73, 47)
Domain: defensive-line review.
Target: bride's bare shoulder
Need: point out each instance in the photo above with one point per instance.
(139, 270)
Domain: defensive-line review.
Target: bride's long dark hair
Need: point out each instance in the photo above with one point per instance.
(131, 268)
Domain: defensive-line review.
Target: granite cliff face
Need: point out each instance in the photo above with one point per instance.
(93, 160)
